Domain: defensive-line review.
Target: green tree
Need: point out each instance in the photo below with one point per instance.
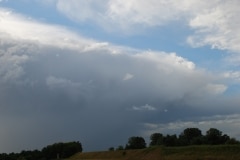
(111, 149)
(156, 139)
(170, 140)
(136, 143)
(191, 136)
(214, 136)
(119, 148)
(232, 141)
(61, 150)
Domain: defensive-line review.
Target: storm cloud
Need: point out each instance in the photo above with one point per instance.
(56, 85)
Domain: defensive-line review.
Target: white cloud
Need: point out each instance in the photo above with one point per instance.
(120, 14)
(215, 23)
(170, 59)
(215, 89)
(94, 46)
(146, 107)
(233, 75)
(128, 76)
(30, 30)
(90, 9)
(126, 13)
(217, 27)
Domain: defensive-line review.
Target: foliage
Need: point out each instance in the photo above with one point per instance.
(192, 136)
(232, 141)
(156, 139)
(214, 137)
(119, 148)
(61, 150)
(136, 143)
(24, 155)
(189, 136)
(170, 140)
(111, 149)
(57, 150)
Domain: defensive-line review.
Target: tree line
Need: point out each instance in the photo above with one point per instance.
(193, 136)
(55, 151)
(190, 136)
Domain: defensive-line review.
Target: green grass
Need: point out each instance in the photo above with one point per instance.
(221, 152)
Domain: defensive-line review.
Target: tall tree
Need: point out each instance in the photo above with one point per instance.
(156, 139)
(136, 143)
(214, 136)
(170, 140)
(192, 136)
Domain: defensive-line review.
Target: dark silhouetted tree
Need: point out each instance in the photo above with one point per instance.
(61, 150)
(156, 139)
(214, 136)
(170, 140)
(232, 141)
(191, 136)
(119, 148)
(136, 143)
(111, 149)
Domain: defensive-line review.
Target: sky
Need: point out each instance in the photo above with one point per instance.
(101, 71)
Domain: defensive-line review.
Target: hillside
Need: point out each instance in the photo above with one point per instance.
(223, 152)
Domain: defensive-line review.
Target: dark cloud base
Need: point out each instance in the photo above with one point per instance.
(50, 94)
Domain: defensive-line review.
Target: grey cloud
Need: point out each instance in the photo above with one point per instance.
(146, 107)
(12, 56)
(65, 94)
(79, 89)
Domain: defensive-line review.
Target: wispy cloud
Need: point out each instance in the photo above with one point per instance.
(217, 27)
(146, 107)
(215, 23)
(34, 31)
(128, 76)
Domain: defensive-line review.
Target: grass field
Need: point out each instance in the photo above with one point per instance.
(221, 152)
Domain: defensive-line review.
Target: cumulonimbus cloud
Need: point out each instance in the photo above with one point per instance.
(82, 61)
(73, 81)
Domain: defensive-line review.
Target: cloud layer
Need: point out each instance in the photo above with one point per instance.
(66, 87)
